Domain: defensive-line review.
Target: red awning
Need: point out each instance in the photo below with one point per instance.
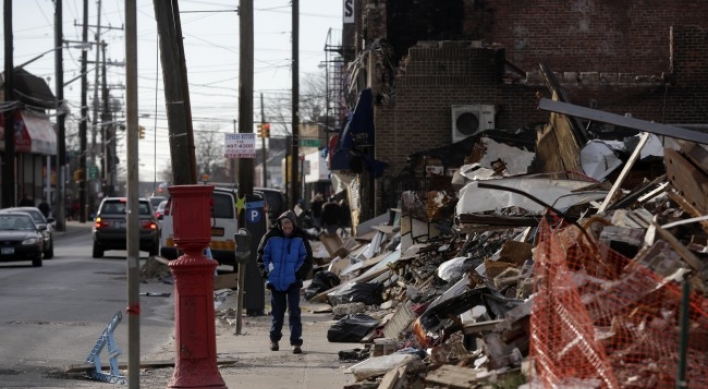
(34, 134)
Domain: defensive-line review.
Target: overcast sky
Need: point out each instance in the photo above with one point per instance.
(212, 52)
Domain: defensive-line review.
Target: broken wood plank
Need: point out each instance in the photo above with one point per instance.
(688, 181)
(391, 379)
(454, 377)
(643, 139)
(688, 208)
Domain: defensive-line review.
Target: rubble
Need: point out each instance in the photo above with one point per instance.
(514, 273)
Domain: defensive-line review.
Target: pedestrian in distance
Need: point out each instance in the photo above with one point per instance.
(284, 258)
(316, 209)
(26, 201)
(345, 222)
(331, 216)
(44, 208)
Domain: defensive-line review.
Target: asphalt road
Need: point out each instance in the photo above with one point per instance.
(53, 315)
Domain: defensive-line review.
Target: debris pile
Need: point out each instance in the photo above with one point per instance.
(504, 273)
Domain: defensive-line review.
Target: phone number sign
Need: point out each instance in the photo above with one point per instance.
(239, 145)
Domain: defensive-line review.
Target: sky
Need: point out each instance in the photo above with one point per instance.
(211, 44)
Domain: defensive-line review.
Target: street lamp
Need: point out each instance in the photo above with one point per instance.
(83, 46)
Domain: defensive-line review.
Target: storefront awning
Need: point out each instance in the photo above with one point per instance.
(34, 134)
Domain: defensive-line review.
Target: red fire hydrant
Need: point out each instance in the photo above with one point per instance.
(195, 337)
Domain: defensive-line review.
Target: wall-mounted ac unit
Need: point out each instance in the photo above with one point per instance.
(468, 120)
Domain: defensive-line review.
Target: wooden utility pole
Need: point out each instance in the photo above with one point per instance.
(83, 185)
(94, 126)
(263, 147)
(245, 96)
(174, 75)
(295, 158)
(133, 263)
(245, 126)
(60, 200)
(8, 168)
(107, 130)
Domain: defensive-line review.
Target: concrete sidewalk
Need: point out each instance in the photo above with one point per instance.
(75, 227)
(318, 367)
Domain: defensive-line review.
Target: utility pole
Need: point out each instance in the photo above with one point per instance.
(295, 158)
(263, 150)
(94, 128)
(8, 168)
(133, 263)
(60, 203)
(107, 131)
(179, 116)
(245, 98)
(245, 126)
(83, 185)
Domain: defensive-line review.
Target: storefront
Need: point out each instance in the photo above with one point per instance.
(35, 144)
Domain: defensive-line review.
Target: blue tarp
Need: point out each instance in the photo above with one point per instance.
(357, 139)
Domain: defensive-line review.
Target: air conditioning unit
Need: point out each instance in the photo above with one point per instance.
(468, 120)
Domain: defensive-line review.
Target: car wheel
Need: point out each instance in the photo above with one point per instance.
(37, 261)
(97, 251)
(49, 254)
(154, 251)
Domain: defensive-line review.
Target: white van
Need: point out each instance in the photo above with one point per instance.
(224, 224)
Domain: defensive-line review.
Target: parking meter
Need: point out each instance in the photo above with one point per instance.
(243, 245)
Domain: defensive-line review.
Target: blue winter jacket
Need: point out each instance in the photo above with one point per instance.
(284, 260)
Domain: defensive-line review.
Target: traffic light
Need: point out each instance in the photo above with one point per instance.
(263, 130)
(78, 175)
(141, 132)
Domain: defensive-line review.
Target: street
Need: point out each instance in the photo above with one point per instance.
(53, 315)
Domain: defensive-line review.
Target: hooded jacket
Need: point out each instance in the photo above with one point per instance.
(283, 260)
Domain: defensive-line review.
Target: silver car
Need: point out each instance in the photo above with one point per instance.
(47, 229)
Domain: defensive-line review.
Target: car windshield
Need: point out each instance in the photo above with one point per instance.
(36, 216)
(156, 200)
(118, 207)
(16, 222)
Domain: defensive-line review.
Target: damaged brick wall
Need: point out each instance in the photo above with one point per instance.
(597, 35)
(434, 80)
(424, 20)
(646, 58)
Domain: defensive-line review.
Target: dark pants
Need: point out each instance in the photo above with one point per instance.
(279, 301)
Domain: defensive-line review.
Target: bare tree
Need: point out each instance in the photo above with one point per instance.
(312, 104)
(209, 143)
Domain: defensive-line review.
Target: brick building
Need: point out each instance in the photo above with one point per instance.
(646, 57)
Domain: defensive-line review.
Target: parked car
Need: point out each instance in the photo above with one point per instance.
(110, 227)
(275, 202)
(156, 200)
(40, 221)
(160, 212)
(20, 238)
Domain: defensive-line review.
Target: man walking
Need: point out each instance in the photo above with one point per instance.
(284, 259)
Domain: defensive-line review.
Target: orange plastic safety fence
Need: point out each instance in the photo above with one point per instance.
(601, 320)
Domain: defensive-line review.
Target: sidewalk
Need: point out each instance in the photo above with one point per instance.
(74, 227)
(318, 367)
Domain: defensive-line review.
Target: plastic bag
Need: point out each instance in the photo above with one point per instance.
(358, 292)
(321, 282)
(452, 269)
(352, 328)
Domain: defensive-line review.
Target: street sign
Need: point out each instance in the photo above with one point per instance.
(240, 145)
(309, 143)
(93, 172)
